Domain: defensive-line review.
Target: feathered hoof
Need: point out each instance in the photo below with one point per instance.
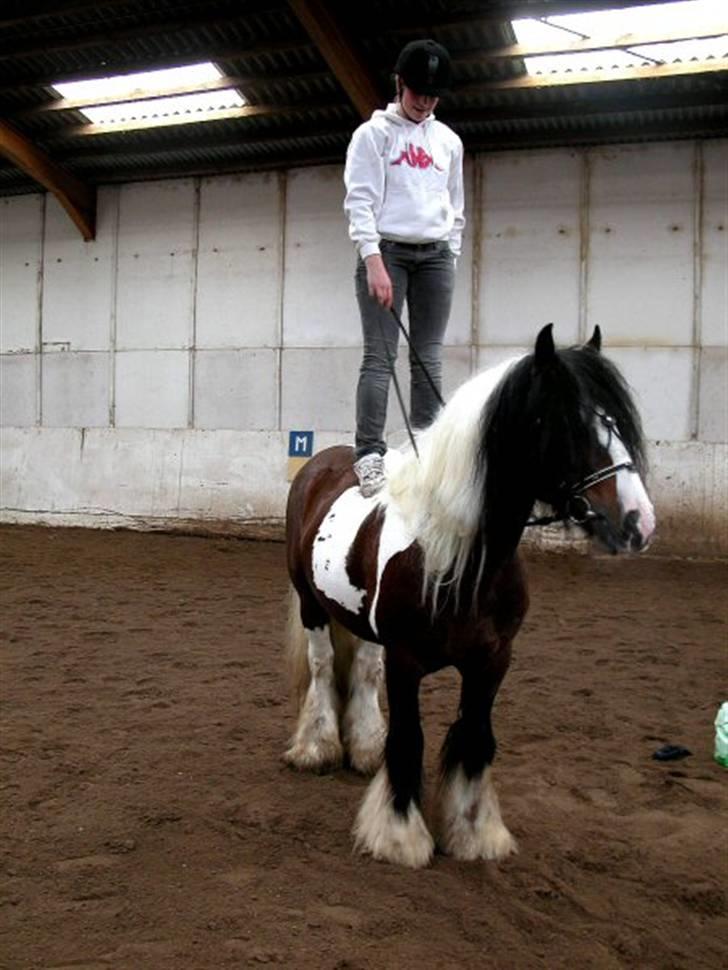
(318, 757)
(469, 822)
(367, 758)
(386, 835)
(494, 843)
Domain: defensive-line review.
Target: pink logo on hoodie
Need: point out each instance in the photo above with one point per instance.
(415, 157)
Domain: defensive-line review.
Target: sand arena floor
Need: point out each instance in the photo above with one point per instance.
(147, 820)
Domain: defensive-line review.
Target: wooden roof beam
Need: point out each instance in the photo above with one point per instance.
(348, 66)
(244, 85)
(77, 198)
(176, 120)
(715, 68)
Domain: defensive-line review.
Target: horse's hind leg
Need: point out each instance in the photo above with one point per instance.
(363, 726)
(389, 825)
(316, 745)
(469, 820)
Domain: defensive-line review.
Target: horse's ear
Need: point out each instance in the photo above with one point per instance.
(545, 349)
(596, 340)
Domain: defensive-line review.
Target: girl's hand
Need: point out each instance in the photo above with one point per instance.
(380, 285)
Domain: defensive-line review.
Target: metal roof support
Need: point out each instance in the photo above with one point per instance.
(350, 70)
(77, 198)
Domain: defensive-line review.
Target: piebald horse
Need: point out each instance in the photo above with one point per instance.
(426, 574)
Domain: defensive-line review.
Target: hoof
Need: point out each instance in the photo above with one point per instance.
(318, 758)
(492, 844)
(386, 835)
(470, 826)
(366, 758)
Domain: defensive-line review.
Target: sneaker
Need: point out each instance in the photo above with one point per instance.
(369, 470)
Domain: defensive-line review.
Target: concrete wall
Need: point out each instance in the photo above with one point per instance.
(154, 374)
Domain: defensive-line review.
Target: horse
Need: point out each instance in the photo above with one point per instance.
(426, 574)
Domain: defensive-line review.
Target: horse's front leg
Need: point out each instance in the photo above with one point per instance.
(469, 819)
(389, 825)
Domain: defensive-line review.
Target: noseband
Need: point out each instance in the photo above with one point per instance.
(574, 505)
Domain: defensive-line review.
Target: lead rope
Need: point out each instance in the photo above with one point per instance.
(398, 389)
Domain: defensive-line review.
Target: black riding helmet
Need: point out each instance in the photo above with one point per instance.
(425, 67)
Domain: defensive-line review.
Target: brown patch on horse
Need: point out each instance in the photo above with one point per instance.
(361, 560)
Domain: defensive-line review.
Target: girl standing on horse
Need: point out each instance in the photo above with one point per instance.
(404, 202)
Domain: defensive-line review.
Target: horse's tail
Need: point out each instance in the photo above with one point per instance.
(299, 673)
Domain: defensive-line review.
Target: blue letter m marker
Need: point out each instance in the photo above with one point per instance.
(300, 444)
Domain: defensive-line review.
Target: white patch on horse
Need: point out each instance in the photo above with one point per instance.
(385, 834)
(331, 546)
(337, 533)
(469, 821)
(631, 491)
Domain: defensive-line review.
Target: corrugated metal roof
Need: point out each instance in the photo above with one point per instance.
(311, 114)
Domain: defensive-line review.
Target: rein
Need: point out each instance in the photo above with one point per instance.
(395, 380)
(418, 359)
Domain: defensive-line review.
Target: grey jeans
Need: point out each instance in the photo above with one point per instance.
(424, 275)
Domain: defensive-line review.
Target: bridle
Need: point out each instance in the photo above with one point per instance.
(574, 506)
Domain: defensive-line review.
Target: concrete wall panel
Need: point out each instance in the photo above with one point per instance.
(239, 262)
(18, 398)
(714, 280)
(236, 389)
(78, 278)
(152, 389)
(641, 244)
(156, 268)
(21, 244)
(233, 475)
(661, 379)
(319, 306)
(460, 328)
(318, 387)
(492, 356)
(530, 269)
(713, 404)
(75, 388)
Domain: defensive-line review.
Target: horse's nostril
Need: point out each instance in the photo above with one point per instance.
(631, 530)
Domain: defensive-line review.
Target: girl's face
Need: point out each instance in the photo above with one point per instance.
(416, 107)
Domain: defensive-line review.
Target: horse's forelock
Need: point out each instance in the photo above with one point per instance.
(604, 388)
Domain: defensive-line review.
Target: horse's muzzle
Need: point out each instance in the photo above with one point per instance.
(630, 537)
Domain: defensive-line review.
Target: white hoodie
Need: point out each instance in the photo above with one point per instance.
(404, 181)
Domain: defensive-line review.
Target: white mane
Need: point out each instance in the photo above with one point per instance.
(440, 494)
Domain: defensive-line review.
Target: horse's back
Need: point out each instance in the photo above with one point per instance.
(327, 473)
